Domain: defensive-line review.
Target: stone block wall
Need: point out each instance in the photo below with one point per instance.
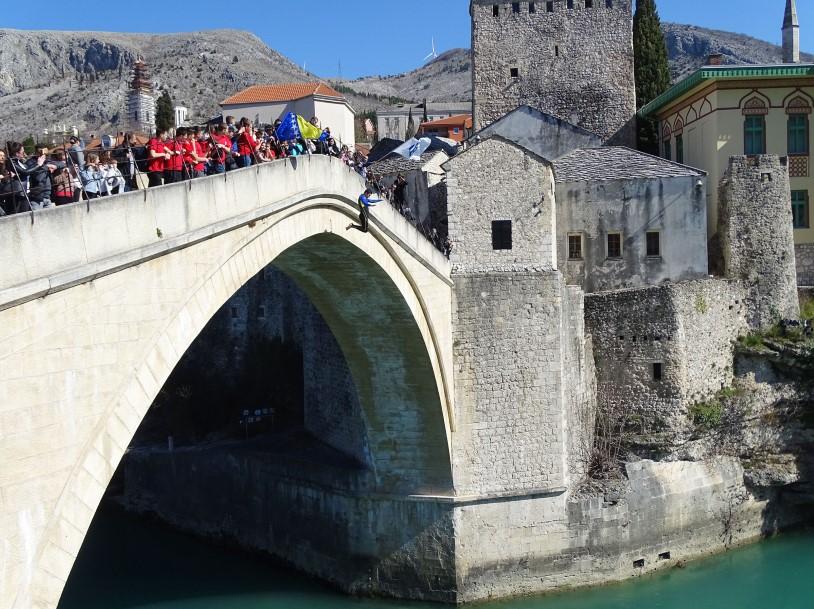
(576, 63)
(508, 359)
(804, 254)
(688, 328)
(498, 180)
(757, 236)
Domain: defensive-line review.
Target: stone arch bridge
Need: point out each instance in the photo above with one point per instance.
(99, 301)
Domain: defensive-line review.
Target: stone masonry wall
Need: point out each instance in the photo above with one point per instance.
(689, 328)
(508, 352)
(804, 253)
(574, 63)
(757, 236)
(499, 180)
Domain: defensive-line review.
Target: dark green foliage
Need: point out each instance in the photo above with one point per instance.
(164, 113)
(652, 69)
(410, 125)
(29, 144)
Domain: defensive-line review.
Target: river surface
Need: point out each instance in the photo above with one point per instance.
(127, 563)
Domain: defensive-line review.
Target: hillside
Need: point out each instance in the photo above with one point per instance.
(448, 78)
(80, 78)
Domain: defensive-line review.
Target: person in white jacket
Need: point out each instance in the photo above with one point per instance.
(114, 182)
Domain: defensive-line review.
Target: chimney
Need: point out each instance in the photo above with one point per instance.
(791, 34)
(715, 59)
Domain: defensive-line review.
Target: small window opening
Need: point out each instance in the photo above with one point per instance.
(514, 72)
(575, 247)
(502, 235)
(570, 4)
(622, 338)
(614, 245)
(261, 312)
(638, 564)
(495, 11)
(589, 3)
(556, 50)
(664, 556)
(658, 371)
(234, 313)
(653, 244)
(515, 7)
(549, 7)
(608, 3)
(532, 8)
(766, 177)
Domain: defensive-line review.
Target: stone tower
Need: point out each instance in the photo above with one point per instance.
(791, 34)
(141, 101)
(570, 58)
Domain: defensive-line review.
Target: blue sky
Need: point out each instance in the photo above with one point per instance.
(366, 36)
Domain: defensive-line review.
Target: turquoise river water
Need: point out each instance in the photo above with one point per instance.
(127, 563)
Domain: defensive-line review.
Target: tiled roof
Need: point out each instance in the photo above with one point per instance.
(398, 164)
(459, 120)
(259, 94)
(617, 163)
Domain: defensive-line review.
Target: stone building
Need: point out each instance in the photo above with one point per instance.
(141, 100)
(627, 219)
(392, 122)
(731, 110)
(570, 59)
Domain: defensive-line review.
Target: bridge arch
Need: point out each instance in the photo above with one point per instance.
(387, 305)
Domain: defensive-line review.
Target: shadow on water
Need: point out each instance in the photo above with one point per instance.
(131, 564)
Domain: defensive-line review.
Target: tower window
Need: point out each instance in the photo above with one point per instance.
(679, 148)
(261, 312)
(502, 235)
(575, 247)
(514, 72)
(570, 4)
(532, 8)
(658, 371)
(668, 149)
(234, 313)
(556, 50)
(589, 3)
(614, 245)
(653, 244)
(608, 3)
(515, 7)
(549, 7)
(496, 10)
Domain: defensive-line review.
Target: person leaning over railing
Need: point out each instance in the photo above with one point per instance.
(92, 177)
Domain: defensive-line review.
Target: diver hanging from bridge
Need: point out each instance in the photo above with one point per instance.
(365, 203)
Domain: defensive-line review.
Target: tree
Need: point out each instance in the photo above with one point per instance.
(652, 69)
(410, 125)
(164, 113)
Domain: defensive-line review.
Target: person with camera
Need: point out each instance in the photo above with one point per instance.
(93, 178)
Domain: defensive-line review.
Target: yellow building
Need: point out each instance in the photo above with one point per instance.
(721, 111)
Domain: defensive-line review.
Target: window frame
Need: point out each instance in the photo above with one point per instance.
(647, 235)
(657, 371)
(680, 148)
(581, 248)
(805, 134)
(516, 8)
(805, 213)
(514, 73)
(501, 235)
(761, 119)
(608, 245)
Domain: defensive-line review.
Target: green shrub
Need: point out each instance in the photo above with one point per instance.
(707, 415)
(807, 310)
(752, 340)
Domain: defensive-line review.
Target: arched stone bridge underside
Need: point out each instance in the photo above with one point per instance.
(99, 302)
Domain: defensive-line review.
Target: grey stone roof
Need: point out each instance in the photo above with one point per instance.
(617, 163)
(398, 164)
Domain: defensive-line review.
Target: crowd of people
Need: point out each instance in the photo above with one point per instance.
(48, 178)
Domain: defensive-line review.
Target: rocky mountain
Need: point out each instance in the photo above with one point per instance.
(52, 78)
(80, 78)
(448, 78)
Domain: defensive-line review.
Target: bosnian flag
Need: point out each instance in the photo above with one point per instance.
(413, 149)
(294, 127)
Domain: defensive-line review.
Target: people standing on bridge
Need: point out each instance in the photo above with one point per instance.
(174, 165)
(92, 177)
(221, 151)
(365, 203)
(246, 144)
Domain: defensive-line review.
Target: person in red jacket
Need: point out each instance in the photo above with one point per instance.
(200, 146)
(220, 151)
(174, 166)
(157, 156)
(246, 144)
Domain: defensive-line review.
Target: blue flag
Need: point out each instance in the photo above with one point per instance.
(289, 129)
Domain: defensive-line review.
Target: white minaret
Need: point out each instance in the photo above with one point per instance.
(791, 34)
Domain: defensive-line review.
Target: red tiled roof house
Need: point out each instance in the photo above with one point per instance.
(266, 103)
(458, 127)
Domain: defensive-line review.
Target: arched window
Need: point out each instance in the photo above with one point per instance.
(754, 126)
(797, 126)
(678, 130)
(667, 142)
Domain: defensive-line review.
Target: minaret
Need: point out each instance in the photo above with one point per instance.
(140, 100)
(791, 34)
